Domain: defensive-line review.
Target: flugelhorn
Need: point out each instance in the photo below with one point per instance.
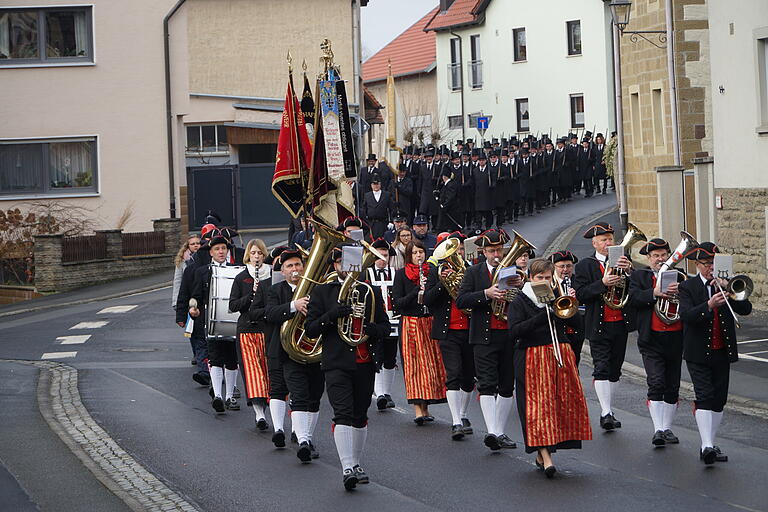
(668, 309)
(448, 257)
(351, 327)
(519, 246)
(617, 296)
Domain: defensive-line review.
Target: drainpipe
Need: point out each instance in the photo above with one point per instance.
(461, 67)
(357, 52)
(168, 110)
(672, 82)
(621, 182)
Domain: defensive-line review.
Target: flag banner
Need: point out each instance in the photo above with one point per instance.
(347, 141)
(308, 108)
(329, 105)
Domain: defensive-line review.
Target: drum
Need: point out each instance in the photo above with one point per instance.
(220, 323)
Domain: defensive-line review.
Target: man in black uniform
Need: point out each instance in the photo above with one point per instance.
(562, 179)
(709, 345)
(527, 178)
(489, 338)
(448, 200)
(304, 381)
(600, 171)
(586, 162)
(376, 208)
(606, 328)
(450, 326)
(401, 192)
(484, 184)
(563, 278)
(430, 181)
(467, 194)
(572, 163)
(349, 371)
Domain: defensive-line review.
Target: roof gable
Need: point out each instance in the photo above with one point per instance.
(461, 13)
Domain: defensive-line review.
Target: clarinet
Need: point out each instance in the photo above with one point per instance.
(422, 283)
(256, 279)
(565, 285)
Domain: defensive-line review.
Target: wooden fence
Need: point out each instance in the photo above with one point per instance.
(83, 248)
(143, 244)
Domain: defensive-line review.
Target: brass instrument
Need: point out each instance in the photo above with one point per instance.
(739, 288)
(617, 295)
(668, 309)
(519, 246)
(296, 344)
(564, 306)
(545, 294)
(351, 326)
(447, 254)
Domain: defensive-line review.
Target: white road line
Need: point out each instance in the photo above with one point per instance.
(758, 352)
(73, 340)
(750, 341)
(58, 355)
(117, 309)
(90, 325)
(753, 358)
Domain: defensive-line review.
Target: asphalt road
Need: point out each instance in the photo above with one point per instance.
(135, 380)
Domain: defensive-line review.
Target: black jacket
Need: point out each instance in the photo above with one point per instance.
(587, 281)
(528, 324)
(642, 300)
(278, 310)
(698, 319)
(376, 210)
(449, 196)
(251, 305)
(484, 184)
(401, 193)
(438, 300)
(338, 355)
(430, 181)
(472, 296)
(200, 292)
(185, 292)
(405, 296)
(586, 162)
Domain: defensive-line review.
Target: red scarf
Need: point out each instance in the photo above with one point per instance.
(412, 271)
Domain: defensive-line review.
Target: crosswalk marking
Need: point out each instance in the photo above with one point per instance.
(58, 355)
(90, 325)
(117, 309)
(73, 340)
(753, 358)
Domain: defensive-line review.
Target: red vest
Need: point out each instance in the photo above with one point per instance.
(496, 323)
(457, 320)
(718, 342)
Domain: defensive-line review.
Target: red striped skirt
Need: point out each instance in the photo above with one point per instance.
(254, 364)
(555, 408)
(423, 367)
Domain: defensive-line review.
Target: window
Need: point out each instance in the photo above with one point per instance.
(207, 138)
(476, 64)
(637, 127)
(762, 53)
(521, 50)
(56, 35)
(454, 68)
(657, 104)
(454, 123)
(421, 121)
(573, 29)
(472, 119)
(577, 111)
(445, 5)
(59, 166)
(523, 116)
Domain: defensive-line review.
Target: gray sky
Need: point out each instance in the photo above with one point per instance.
(383, 20)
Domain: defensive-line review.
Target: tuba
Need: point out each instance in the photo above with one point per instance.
(519, 246)
(668, 309)
(617, 295)
(351, 327)
(296, 344)
(447, 254)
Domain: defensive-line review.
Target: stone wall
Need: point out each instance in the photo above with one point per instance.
(741, 231)
(51, 275)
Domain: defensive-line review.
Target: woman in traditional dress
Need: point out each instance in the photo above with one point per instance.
(422, 362)
(550, 399)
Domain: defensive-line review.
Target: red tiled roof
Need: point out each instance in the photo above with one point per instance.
(460, 13)
(411, 52)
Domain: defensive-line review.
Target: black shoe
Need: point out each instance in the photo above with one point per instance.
(313, 451)
(362, 478)
(294, 439)
(193, 362)
(616, 423)
(350, 479)
(492, 442)
(278, 439)
(670, 438)
(607, 422)
(202, 378)
(708, 455)
(419, 420)
(429, 418)
(539, 465)
(457, 432)
(390, 402)
(232, 404)
(720, 457)
(236, 393)
(659, 439)
(466, 426)
(262, 424)
(381, 402)
(210, 392)
(218, 404)
(305, 452)
(550, 471)
(506, 443)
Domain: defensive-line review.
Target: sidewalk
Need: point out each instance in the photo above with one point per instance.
(748, 378)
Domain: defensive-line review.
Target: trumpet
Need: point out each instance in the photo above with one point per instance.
(617, 295)
(562, 307)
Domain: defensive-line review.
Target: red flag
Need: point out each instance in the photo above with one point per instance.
(293, 156)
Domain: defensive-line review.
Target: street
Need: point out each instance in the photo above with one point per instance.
(134, 378)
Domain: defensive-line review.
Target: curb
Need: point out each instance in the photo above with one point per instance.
(565, 237)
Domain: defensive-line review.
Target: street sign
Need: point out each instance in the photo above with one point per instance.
(483, 122)
(359, 125)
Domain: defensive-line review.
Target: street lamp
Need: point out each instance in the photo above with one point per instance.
(620, 11)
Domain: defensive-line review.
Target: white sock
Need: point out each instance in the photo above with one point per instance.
(344, 437)
(360, 435)
(313, 416)
(503, 408)
(230, 379)
(488, 406)
(217, 375)
(465, 399)
(603, 390)
(658, 413)
(277, 411)
(669, 415)
(258, 410)
(454, 404)
(378, 383)
(388, 379)
(614, 389)
(302, 421)
(717, 417)
(704, 422)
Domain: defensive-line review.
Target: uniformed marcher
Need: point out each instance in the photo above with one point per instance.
(467, 194)
(586, 163)
(376, 208)
(448, 199)
(430, 182)
(564, 262)
(483, 183)
(600, 174)
(401, 192)
(709, 345)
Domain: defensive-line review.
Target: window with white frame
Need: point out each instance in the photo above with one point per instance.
(420, 121)
(475, 63)
(454, 68)
(50, 35)
(573, 31)
(762, 54)
(48, 167)
(454, 123)
(207, 138)
(577, 111)
(520, 46)
(523, 115)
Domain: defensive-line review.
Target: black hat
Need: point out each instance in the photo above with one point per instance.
(399, 217)
(417, 151)
(563, 256)
(487, 145)
(483, 156)
(504, 152)
(573, 136)
(447, 172)
(654, 244)
(375, 178)
(531, 253)
(703, 251)
(429, 152)
(600, 228)
(599, 135)
(408, 150)
(351, 221)
(588, 134)
(585, 139)
(211, 217)
(380, 243)
(504, 141)
(457, 235)
(420, 219)
(459, 142)
(275, 254)
(288, 254)
(371, 156)
(562, 140)
(455, 154)
(492, 237)
(465, 151)
(470, 141)
(216, 240)
(476, 152)
(494, 141)
(523, 151)
(534, 144)
(494, 152)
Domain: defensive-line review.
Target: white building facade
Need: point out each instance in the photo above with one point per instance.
(533, 69)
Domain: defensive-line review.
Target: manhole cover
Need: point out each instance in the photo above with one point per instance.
(137, 349)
